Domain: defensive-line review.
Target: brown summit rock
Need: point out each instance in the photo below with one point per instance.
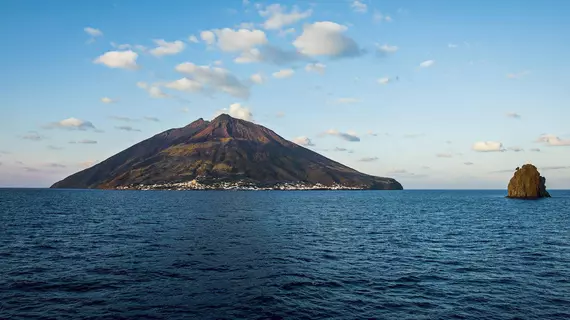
(527, 183)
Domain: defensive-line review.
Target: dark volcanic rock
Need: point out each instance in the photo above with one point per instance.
(225, 149)
(527, 183)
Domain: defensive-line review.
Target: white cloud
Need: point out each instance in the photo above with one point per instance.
(384, 80)
(238, 111)
(208, 36)
(553, 140)
(427, 64)
(215, 78)
(386, 49)
(316, 67)
(346, 100)
(348, 136)
(452, 46)
(167, 48)
(193, 39)
(513, 115)
(249, 56)
(153, 90)
(93, 32)
(518, 75)
(359, 7)
(119, 59)
(326, 38)
(230, 40)
(72, 124)
(185, 84)
(257, 78)
(303, 141)
(488, 146)
(284, 73)
(108, 100)
(277, 16)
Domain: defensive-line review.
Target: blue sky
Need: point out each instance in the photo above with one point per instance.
(437, 94)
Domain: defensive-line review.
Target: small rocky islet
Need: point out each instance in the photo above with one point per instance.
(527, 184)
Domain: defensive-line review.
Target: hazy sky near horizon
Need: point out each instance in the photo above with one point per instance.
(437, 94)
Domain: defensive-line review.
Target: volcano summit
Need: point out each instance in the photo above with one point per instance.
(225, 153)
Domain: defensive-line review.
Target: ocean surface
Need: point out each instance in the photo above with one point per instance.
(283, 255)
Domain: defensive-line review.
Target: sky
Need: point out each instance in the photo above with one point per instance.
(437, 94)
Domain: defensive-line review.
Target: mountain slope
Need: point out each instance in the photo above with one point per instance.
(225, 149)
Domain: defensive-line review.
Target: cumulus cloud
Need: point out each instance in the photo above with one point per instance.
(346, 100)
(513, 115)
(185, 84)
(119, 59)
(278, 17)
(427, 64)
(368, 159)
(230, 40)
(553, 140)
(385, 49)
(33, 136)
(108, 100)
(257, 78)
(326, 38)
(85, 141)
(93, 32)
(303, 141)
(488, 146)
(215, 79)
(153, 90)
(238, 111)
(208, 36)
(348, 136)
(167, 48)
(384, 80)
(517, 75)
(193, 39)
(284, 73)
(269, 54)
(359, 7)
(444, 155)
(72, 124)
(316, 67)
(126, 128)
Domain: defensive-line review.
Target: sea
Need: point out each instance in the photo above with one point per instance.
(438, 254)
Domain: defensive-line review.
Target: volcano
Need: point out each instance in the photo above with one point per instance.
(227, 150)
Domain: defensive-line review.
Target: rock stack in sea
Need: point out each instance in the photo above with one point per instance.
(527, 183)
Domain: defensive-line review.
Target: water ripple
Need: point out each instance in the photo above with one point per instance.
(283, 255)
